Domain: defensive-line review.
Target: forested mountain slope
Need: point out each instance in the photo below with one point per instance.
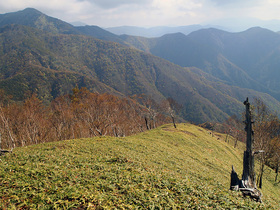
(51, 63)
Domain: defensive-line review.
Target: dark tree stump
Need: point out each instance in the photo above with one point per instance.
(234, 180)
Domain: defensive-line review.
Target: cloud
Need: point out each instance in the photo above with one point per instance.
(236, 3)
(67, 10)
(109, 4)
(116, 12)
(147, 12)
(267, 10)
(176, 12)
(42, 5)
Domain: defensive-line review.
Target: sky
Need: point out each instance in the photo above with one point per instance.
(148, 13)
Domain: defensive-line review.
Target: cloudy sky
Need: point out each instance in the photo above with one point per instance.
(147, 13)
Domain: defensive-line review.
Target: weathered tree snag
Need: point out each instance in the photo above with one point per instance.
(146, 123)
(248, 176)
(248, 183)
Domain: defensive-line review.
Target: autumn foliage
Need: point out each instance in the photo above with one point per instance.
(79, 115)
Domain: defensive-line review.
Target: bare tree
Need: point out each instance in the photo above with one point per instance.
(7, 128)
(267, 127)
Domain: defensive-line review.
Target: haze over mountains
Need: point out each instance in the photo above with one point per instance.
(209, 72)
(230, 25)
(153, 31)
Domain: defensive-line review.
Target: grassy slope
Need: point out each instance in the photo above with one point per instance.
(183, 168)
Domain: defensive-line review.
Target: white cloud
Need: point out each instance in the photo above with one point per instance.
(43, 5)
(156, 12)
(268, 10)
(147, 12)
(108, 4)
(236, 3)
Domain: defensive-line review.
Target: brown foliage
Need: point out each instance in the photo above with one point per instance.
(80, 115)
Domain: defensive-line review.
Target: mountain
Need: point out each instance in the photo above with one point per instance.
(229, 24)
(50, 64)
(242, 24)
(241, 59)
(34, 18)
(247, 59)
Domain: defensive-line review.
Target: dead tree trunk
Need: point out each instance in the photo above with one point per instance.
(248, 176)
(146, 122)
(248, 183)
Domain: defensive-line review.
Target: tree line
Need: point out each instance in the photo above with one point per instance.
(81, 114)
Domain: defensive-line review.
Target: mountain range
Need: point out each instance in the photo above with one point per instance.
(229, 24)
(153, 31)
(209, 72)
(246, 59)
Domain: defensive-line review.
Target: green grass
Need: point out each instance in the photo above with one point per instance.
(162, 168)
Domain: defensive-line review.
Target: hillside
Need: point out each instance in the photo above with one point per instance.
(51, 64)
(162, 168)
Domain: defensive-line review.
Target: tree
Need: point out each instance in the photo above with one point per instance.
(267, 133)
(173, 109)
(61, 118)
(150, 110)
(6, 128)
(234, 127)
(81, 114)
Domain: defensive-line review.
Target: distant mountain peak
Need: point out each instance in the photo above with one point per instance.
(261, 33)
(29, 9)
(210, 31)
(258, 29)
(24, 14)
(34, 18)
